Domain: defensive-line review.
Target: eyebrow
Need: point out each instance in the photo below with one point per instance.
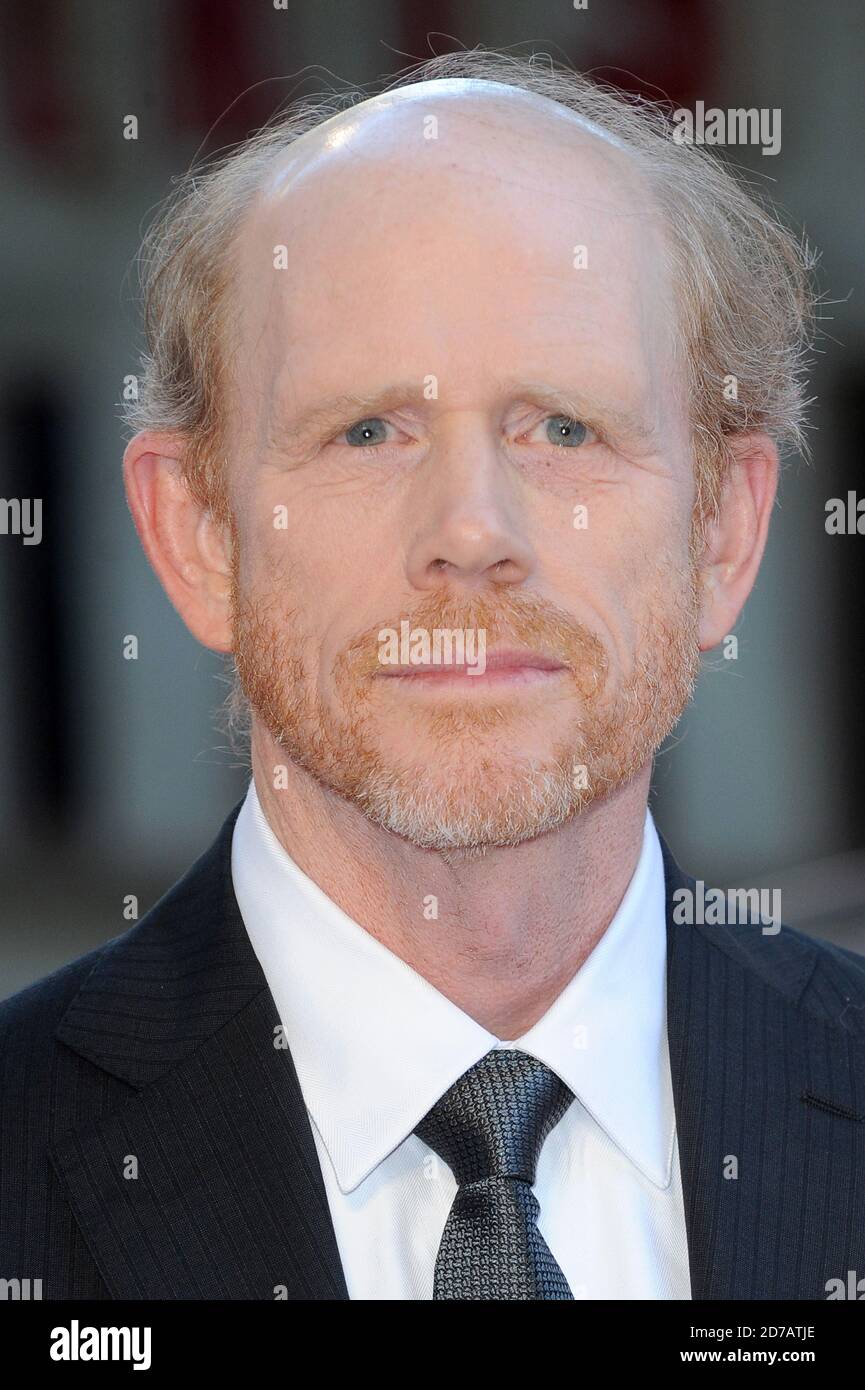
(291, 429)
(288, 430)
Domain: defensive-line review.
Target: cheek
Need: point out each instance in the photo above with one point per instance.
(630, 583)
(271, 558)
(648, 547)
(609, 561)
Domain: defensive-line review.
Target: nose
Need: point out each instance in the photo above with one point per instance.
(475, 528)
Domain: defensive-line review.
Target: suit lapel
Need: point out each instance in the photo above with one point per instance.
(205, 1183)
(769, 1102)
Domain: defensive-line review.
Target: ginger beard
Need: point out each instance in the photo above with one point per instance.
(466, 784)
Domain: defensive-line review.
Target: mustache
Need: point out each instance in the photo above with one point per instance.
(522, 620)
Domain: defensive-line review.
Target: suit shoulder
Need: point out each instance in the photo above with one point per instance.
(837, 983)
(45, 1086)
(828, 955)
(38, 1007)
(829, 980)
(180, 910)
(852, 962)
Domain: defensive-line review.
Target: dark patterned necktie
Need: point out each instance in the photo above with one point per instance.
(489, 1129)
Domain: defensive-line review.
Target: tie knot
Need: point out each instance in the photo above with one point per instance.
(494, 1119)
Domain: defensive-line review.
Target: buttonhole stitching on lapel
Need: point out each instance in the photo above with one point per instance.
(830, 1106)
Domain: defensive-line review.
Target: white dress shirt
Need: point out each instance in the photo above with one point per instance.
(375, 1045)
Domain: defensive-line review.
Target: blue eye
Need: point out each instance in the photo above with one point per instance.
(561, 430)
(364, 432)
(566, 432)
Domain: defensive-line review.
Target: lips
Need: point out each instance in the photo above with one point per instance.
(504, 660)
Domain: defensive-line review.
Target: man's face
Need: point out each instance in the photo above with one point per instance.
(513, 465)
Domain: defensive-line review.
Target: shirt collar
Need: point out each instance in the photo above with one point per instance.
(375, 1045)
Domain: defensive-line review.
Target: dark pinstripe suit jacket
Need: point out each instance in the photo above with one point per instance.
(157, 1050)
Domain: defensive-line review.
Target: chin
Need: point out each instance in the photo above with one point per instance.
(470, 809)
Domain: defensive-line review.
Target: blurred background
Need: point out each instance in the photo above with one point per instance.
(113, 775)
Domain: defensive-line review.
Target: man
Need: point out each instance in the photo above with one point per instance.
(459, 431)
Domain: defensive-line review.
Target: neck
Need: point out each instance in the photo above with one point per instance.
(499, 933)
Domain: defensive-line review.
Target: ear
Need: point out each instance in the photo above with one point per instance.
(735, 543)
(188, 549)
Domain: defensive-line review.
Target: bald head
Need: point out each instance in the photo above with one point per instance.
(390, 116)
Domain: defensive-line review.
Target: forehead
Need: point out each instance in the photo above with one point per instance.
(442, 229)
